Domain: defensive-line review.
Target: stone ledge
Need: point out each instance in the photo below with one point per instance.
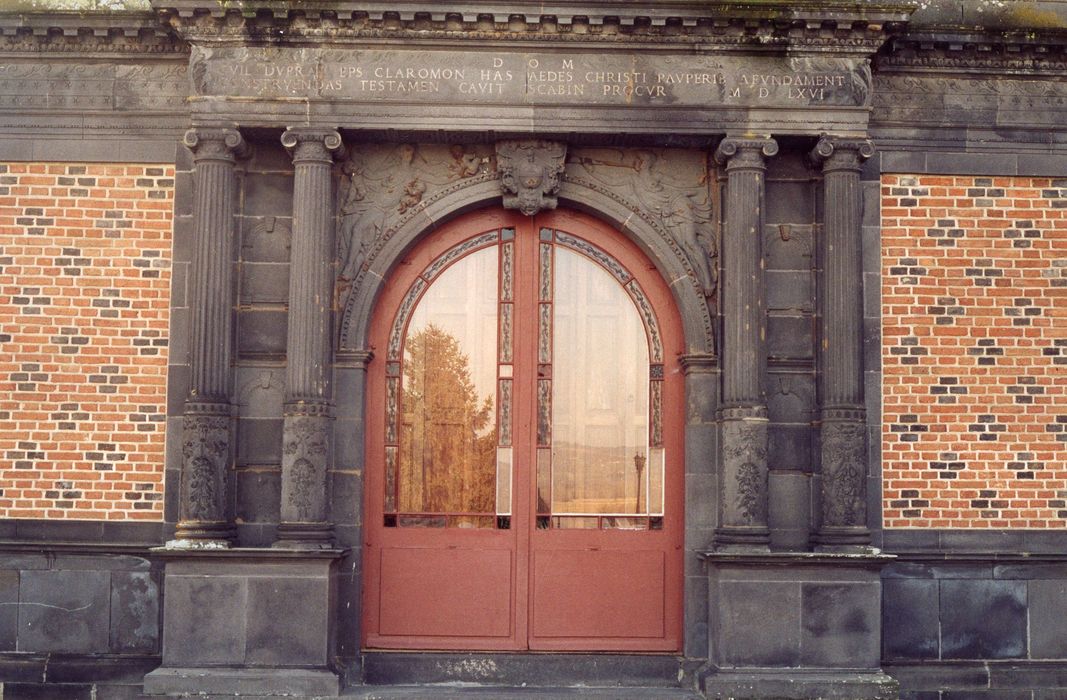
(794, 684)
(241, 682)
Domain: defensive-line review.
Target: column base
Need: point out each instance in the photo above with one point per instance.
(304, 536)
(193, 534)
(743, 539)
(791, 684)
(272, 682)
(843, 538)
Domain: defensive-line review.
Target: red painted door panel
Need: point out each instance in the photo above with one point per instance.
(524, 443)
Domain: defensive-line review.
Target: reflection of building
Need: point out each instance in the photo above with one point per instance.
(817, 286)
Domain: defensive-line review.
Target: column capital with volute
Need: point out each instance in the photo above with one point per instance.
(841, 153)
(312, 144)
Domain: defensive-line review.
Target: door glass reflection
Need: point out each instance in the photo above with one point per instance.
(448, 418)
(600, 402)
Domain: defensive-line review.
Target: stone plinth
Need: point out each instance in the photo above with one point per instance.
(247, 622)
(796, 625)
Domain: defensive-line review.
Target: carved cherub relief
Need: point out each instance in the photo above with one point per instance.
(678, 198)
(382, 184)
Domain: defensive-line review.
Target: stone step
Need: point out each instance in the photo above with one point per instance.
(453, 692)
(525, 670)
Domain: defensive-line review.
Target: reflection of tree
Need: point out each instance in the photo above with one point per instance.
(449, 461)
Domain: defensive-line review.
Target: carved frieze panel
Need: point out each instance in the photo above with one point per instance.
(305, 455)
(78, 86)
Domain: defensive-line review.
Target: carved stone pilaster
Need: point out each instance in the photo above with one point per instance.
(843, 421)
(530, 173)
(206, 433)
(744, 416)
(307, 421)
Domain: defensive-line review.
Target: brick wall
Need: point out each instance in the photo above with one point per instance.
(84, 295)
(974, 352)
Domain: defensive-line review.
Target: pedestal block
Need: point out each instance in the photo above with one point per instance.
(795, 625)
(247, 622)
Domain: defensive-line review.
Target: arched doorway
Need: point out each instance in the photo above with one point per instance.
(524, 443)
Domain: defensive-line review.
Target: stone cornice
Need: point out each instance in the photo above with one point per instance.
(841, 26)
(71, 32)
(945, 50)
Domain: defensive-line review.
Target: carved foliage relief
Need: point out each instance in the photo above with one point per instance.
(305, 452)
(745, 470)
(205, 452)
(844, 472)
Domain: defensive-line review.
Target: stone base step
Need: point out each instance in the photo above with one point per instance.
(448, 692)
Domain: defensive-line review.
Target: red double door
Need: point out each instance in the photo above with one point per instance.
(524, 443)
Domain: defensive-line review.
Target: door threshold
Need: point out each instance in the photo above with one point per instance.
(527, 670)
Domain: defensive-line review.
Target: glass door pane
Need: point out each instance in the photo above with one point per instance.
(444, 401)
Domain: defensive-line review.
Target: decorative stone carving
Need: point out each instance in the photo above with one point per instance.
(744, 451)
(205, 462)
(844, 473)
(384, 185)
(678, 198)
(530, 172)
(306, 449)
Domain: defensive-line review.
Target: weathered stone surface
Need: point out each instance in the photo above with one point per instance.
(910, 619)
(134, 612)
(204, 621)
(840, 625)
(760, 623)
(9, 609)
(983, 619)
(286, 620)
(64, 611)
(1047, 600)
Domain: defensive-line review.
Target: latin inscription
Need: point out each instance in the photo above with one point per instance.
(534, 79)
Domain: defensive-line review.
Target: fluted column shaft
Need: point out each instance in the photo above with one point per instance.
(206, 423)
(843, 423)
(306, 427)
(743, 521)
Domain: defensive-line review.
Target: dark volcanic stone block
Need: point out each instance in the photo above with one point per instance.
(205, 621)
(286, 622)
(983, 619)
(9, 598)
(259, 441)
(759, 623)
(909, 618)
(268, 194)
(134, 612)
(261, 332)
(1048, 610)
(840, 625)
(258, 495)
(790, 337)
(65, 611)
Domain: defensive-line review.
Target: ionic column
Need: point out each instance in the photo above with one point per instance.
(204, 513)
(743, 522)
(306, 427)
(843, 419)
